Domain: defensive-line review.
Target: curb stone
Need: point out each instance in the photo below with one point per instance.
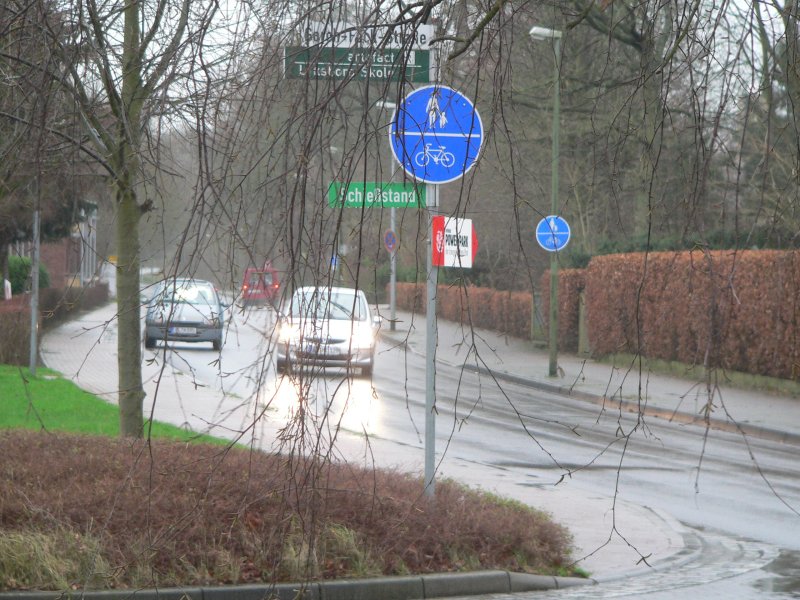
(420, 587)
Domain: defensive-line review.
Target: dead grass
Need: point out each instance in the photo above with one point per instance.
(136, 514)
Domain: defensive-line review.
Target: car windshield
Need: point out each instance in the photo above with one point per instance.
(325, 304)
(187, 293)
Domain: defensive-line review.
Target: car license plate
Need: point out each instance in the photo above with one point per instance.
(321, 350)
(183, 330)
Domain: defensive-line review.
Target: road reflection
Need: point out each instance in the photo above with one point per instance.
(316, 407)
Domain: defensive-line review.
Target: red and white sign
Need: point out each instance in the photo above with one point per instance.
(455, 242)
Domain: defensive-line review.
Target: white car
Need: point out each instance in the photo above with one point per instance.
(327, 327)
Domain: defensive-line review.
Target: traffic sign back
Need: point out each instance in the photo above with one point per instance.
(436, 134)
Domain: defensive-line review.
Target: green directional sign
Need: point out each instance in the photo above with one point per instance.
(360, 64)
(369, 193)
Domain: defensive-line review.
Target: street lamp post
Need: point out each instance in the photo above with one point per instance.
(543, 33)
(393, 255)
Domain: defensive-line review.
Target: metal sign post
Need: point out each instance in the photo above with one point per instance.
(436, 135)
(393, 277)
(431, 342)
(552, 234)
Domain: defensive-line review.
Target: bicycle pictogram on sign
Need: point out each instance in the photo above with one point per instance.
(439, 155)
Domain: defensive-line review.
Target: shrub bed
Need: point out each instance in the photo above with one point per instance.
(174, 514)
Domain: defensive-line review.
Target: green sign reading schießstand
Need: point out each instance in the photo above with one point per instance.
(369, 193)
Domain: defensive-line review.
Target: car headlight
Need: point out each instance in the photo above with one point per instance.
(288, 333)
(363, 337)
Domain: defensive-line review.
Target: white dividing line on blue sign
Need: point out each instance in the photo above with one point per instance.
(436, 134)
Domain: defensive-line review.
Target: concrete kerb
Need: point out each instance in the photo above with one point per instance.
(699, 420)
(418, 587)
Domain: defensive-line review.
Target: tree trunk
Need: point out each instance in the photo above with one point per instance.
(129, 345)
(129, 348)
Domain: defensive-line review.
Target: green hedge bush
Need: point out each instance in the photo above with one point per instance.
(19, 271)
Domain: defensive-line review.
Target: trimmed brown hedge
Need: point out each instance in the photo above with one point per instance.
(15, 331)
(58, 304)
(571, 283)
(55, 305)
(503, 311)
(730, 309)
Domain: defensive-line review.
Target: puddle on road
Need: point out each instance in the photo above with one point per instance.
(786, 578)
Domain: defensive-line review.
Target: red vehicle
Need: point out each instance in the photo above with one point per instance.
(260, 286)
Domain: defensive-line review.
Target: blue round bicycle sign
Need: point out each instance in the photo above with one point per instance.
(436, 134)
(552, 233)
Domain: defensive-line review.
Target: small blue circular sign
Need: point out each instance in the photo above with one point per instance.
(436, 134)
(390, 241)
(552, 233)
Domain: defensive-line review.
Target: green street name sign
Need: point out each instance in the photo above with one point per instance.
(360, 64)
(367, 193)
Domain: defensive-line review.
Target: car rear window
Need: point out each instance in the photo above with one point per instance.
(189, 294)
(322, 304)
(260, 278)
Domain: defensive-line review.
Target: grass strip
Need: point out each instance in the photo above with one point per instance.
(48, 402)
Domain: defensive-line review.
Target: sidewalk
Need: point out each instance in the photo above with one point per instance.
(759, 414)
(90, 360)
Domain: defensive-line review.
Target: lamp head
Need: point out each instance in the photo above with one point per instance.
(543, 33)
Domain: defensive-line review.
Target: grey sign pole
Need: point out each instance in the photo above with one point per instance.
(393, 276)
(34, 350)
(431, 341)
